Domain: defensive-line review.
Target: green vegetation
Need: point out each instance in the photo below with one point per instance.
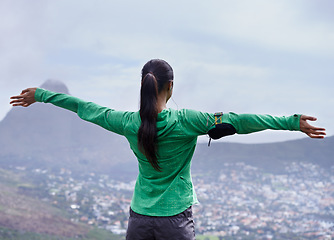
(208, 237)
(8, 178)
(9, 234)
(101, 234)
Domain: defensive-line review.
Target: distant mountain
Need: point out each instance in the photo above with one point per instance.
(269, 156)
(44, 136)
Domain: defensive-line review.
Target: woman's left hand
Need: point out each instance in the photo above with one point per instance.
(25, 99)
(309, 130)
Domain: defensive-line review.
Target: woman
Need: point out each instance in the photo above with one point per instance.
(164, 141)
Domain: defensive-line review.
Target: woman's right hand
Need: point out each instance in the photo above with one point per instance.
(25, 99)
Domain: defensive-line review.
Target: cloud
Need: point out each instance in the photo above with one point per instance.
(245, 56)
(284, 25)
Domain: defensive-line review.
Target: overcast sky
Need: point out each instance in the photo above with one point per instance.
(251, 56)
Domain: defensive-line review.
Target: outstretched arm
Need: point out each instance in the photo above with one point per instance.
(91, 112)
(249, 123)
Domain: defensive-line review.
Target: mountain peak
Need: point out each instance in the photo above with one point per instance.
(55, 86)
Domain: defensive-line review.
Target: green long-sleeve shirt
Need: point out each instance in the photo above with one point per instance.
(171, 191)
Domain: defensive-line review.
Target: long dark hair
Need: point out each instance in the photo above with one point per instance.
(155, 75)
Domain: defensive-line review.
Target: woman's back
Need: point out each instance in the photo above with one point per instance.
(169, 191)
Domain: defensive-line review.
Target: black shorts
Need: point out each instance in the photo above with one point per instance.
(178, 227)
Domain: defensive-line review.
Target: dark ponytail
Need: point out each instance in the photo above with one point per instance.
(147, 134)
(155, 75)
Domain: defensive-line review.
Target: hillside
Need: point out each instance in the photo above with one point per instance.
(44, 136)
(25, 216)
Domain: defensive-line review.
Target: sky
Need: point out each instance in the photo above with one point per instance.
(259, 56)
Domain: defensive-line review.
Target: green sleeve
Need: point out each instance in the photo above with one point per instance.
(105, 117)
(195, 122)
(248, 123)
